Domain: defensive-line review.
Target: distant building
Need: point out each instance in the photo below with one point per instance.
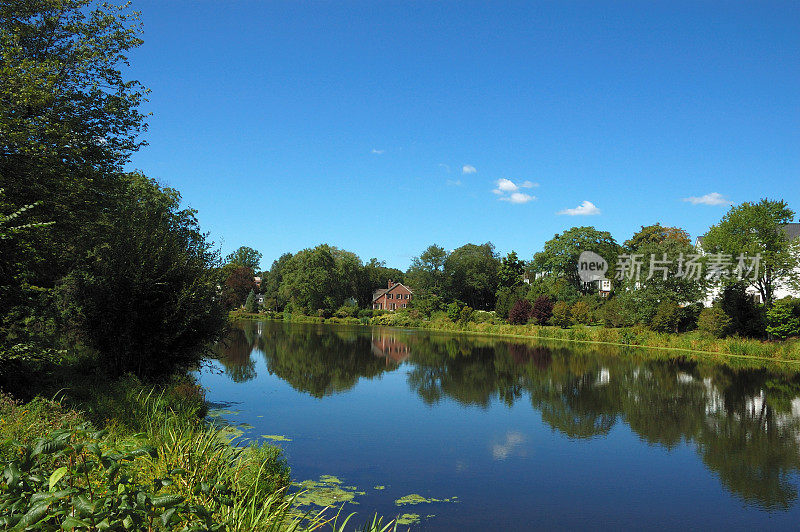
(792, 231)
(395, 296)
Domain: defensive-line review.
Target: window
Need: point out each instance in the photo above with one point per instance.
(388, 296)
(404, 305)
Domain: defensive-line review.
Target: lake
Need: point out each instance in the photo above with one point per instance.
(495, 433)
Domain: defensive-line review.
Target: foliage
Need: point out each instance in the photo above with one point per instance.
(614, 313)
(542, 310)
(783, 318)
(520, 313)
(147, 299)
(559, 258)
(250, 304)
(746, 316)
(471, 275)
(454, 311)
(580, 312)
(426, 272)
(757, 228)
(562, 317)
(714, 321)
(245, 257)
(666, 318)
(510, 271)
(506, 297)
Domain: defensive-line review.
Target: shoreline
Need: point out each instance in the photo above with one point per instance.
(786, 351)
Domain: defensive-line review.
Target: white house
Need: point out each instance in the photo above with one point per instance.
(792, 231)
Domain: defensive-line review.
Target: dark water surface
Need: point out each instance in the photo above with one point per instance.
(525, 435)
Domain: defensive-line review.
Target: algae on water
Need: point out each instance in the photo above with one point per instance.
(416, 498)
(275, 437)
(408, 519)
(327, 491)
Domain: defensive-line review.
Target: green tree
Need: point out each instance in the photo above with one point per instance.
(147, 299)
(562, 317)
(783, 318)
(714, 321)
(663, 252)
(309, 280)
(426, 272)
(666, 317)
(757, 228)
(69, 121)
(510, 271)
(246, 257)
(559, 259)
(471, 275)
(250, 304)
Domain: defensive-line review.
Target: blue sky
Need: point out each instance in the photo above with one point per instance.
(382, 127)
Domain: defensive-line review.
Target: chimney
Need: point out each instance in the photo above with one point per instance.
(391, 284)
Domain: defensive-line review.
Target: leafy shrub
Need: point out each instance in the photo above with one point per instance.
(561, 314)
(68, 479)
(454, 311)
(746, 317)
(520, 313)
(613, 313)
(580, 312)
(783, 319)
(688, 316)
(542, 310)
(466, 314)
(666, 317)
(346, 311)
(506, 297)
(714, 321)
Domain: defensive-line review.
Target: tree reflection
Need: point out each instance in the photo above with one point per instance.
(744, 423)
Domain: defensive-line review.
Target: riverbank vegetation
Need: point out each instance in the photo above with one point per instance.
(109, 298)
(329, 282)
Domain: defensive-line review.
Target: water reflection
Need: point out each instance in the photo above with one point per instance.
(743, 423)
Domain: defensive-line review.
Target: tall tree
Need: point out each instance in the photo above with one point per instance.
(511, 271)
(559, 258)
(471, 274)
(426, 272)
(245, 256)
(757, 228)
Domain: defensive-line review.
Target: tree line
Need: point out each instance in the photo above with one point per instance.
(546, 289)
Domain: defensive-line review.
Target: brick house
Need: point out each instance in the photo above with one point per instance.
(395, 296)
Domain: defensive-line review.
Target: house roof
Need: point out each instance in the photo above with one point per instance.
(380, 291)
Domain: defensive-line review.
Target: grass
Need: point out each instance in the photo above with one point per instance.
(237, 488)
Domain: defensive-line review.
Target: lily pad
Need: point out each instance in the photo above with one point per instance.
(379, 488)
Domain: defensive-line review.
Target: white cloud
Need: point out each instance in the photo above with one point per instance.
(505, 185)
(715, 198)
(586, 208)
(469, 169)
(446, 167)
(378, 152)
(454, 182)
(512, 443)
(510, 191)
(518, 197)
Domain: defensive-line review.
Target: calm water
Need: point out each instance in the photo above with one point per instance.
(525, 435)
